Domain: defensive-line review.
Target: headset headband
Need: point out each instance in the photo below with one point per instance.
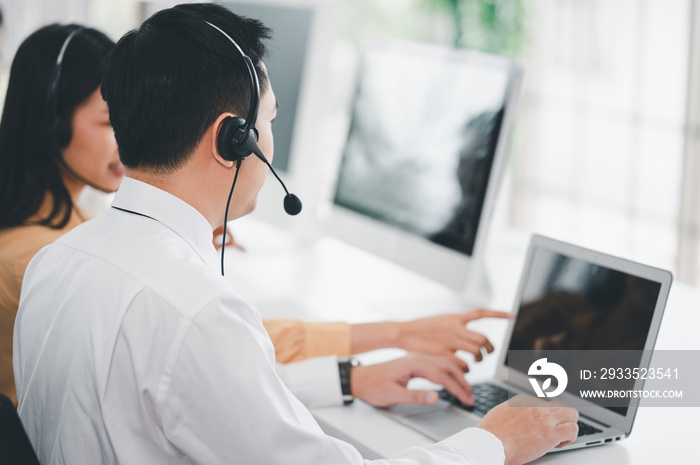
(254, 83)
(51, 97)
(59, 59)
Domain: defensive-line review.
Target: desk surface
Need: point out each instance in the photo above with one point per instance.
(329, 281)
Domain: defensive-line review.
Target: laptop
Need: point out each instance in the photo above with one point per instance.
(571, 301)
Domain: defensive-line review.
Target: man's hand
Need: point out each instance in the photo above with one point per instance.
(445, 334)
(528, 427)
(384, 384)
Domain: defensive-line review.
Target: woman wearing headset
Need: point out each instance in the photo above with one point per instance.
(55, 138)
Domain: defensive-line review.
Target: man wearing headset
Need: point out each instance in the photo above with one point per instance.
(130, 347)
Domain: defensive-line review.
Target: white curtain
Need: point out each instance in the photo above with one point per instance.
(598, 152)
(22, 17)
(689, 230)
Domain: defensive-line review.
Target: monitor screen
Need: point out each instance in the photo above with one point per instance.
(425, 128)
(287, 55)
(574, 305)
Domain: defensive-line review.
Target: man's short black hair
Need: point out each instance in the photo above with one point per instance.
(166, 82)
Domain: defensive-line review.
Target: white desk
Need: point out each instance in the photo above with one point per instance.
(330, 281)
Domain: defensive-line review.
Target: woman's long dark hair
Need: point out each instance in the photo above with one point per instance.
(29, 152)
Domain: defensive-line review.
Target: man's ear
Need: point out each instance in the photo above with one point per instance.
(216, 129)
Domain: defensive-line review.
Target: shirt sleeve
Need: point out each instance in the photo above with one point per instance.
(296, 340)
(223, 402)
(315, 382)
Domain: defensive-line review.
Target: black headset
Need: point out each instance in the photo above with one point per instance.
(60, 129)
(238, 138)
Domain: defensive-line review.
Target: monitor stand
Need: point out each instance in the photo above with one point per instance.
(478, 290)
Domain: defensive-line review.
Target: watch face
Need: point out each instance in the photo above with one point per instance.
(344, 368)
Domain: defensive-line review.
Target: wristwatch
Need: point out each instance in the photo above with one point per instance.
(345, 366)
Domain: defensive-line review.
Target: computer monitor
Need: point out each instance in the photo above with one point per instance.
(424, 157)
(298, 65)
(291, 26)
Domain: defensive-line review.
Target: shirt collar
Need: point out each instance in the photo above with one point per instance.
(144, 199)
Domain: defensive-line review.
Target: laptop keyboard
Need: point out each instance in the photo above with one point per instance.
(489, 395)
(584, 429)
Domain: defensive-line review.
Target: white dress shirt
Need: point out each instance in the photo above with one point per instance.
(131, 348)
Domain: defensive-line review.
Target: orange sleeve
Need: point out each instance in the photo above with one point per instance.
(18, 245)
(296, 340)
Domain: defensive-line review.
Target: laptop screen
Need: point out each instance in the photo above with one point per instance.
(571, 304)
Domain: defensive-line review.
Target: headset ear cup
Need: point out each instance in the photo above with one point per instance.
(229, 139)
(62, 132)
(250, 143)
